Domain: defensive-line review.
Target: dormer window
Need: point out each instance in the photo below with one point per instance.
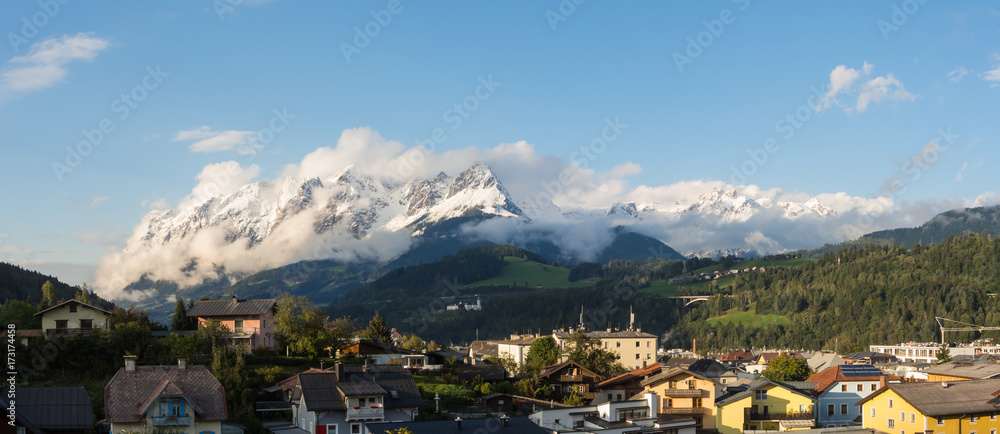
(72, 308)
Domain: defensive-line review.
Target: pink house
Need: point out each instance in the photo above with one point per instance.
(251, 322)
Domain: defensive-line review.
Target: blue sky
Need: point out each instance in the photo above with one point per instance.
(875, 82)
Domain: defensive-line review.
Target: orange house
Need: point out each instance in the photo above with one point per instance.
(250, 322)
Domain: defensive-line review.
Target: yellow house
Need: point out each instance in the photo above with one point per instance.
(968, 407)
(73, 318)
(766, 405)
(687, 394)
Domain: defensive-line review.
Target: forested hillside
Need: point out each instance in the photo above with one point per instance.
(17, 283)
(877, 294)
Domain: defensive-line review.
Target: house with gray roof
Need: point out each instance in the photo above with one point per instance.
(503, 424)
(250, 322)
(166, 398)
(344, 399)
(49, 410)
(948, 406)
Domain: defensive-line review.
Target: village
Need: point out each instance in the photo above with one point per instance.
(524, 383)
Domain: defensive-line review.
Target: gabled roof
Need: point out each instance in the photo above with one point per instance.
(78, 303)
(324, 392)
(515, 425)
(130, 393)
(797, 388)
(552, 369)
(665, 375)
(936, 399)
(621, 334)
(486, 348)
(965, 370)
(636, 375)
(826, 378)
(737, 355)
(52, 408)
(232, 307)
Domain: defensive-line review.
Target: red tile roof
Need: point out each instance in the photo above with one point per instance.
(130, 393)
(637, 374)
(827, 377)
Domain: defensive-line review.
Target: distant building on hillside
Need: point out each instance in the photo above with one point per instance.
(250, 322)
(634, 347)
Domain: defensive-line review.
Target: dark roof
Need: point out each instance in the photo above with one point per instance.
(129, 393)
(677, 361)
(79, 303)
(934, 399)
(323, 392)
(708, 368)
(210, 308)
(515, 425)
(664, 375)
(53, 408)
(486, 348)
(965, 370)
(828, 377)
(486, 371)
(622, 334)
(636, 375)
(797, 387)
(551, 369)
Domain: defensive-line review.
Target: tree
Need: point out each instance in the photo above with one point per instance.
(588, 353)
(180, 321)
(574, 399)
(376, 331)
(48, 295)
(300, 326)
(787, 368)
(543, 352)
(83, 294)
(412, 342)
(944, 354)
(21, 314)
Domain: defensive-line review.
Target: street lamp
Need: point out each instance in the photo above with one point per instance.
(437, 403)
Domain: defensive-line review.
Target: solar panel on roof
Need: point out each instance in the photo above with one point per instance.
(860, 370)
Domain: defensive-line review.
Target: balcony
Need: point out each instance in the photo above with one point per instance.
(69, 332)
(684, 410)
(754, 416)
(682, 393)
(171, 420)
(365, 413)
(571, 378)
(243, 332)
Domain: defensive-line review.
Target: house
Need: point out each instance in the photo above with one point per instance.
(73, 318)
(837, 389)
(48, 410)
(632, 416)
(344, 398)
(736, 358)
(686, 393)
(250, 322)
(924, 352)
(960, 371)
(479, 350)
(516, 348)
(173, 398)
(502, 424)
(382, 354)
(868, 358)
(568, 377)
(766, 405)
(821, 360)
(625, 385)
(969, 406)
(634, 347)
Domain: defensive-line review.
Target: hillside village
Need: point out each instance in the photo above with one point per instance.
(380, 380)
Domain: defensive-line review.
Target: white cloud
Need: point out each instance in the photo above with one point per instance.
(98, 201)
(208, 140)
(872, 90)
(961, 170)
(44, 65)
(958, 73)
(219, 179)
(993, 75)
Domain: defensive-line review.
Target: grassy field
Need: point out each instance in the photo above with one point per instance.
(520, 270)
(661, 288)
(748, 319)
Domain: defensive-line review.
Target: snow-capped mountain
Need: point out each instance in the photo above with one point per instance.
(726, 204)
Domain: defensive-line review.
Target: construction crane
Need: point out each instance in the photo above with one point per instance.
(970, 328)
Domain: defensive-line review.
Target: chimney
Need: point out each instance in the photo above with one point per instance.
(130, 363)
(235, 300)
(182, 364)
(338, 370)
(944, 384)
(694, 346)
(458, 423)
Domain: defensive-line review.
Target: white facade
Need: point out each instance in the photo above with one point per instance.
(639, 414)
(926, 352)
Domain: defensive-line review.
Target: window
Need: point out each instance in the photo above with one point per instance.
(20, 430)
(356, 427)
(581, 388)
(238, 326)
(696, 402)
(861, 388)
(72, 308)
(62, 324)
(500, 401)
(902, 416)
(692, 384)
(913, 417)
(86, 323)
(843, 408)
(649, 344)
(829, 409)
(940, 421)
(610, 397)
(668, 402)
(618, 344)
(993, 415)
(973, 419)
(673, 384)
(873, 411)
(331, 429)
(874, 387)
(891, 423)
(993, 431)
(619, 396)
(760, 394)
(637, 344)
(843, 387)
(890, 402)
(637, 356)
